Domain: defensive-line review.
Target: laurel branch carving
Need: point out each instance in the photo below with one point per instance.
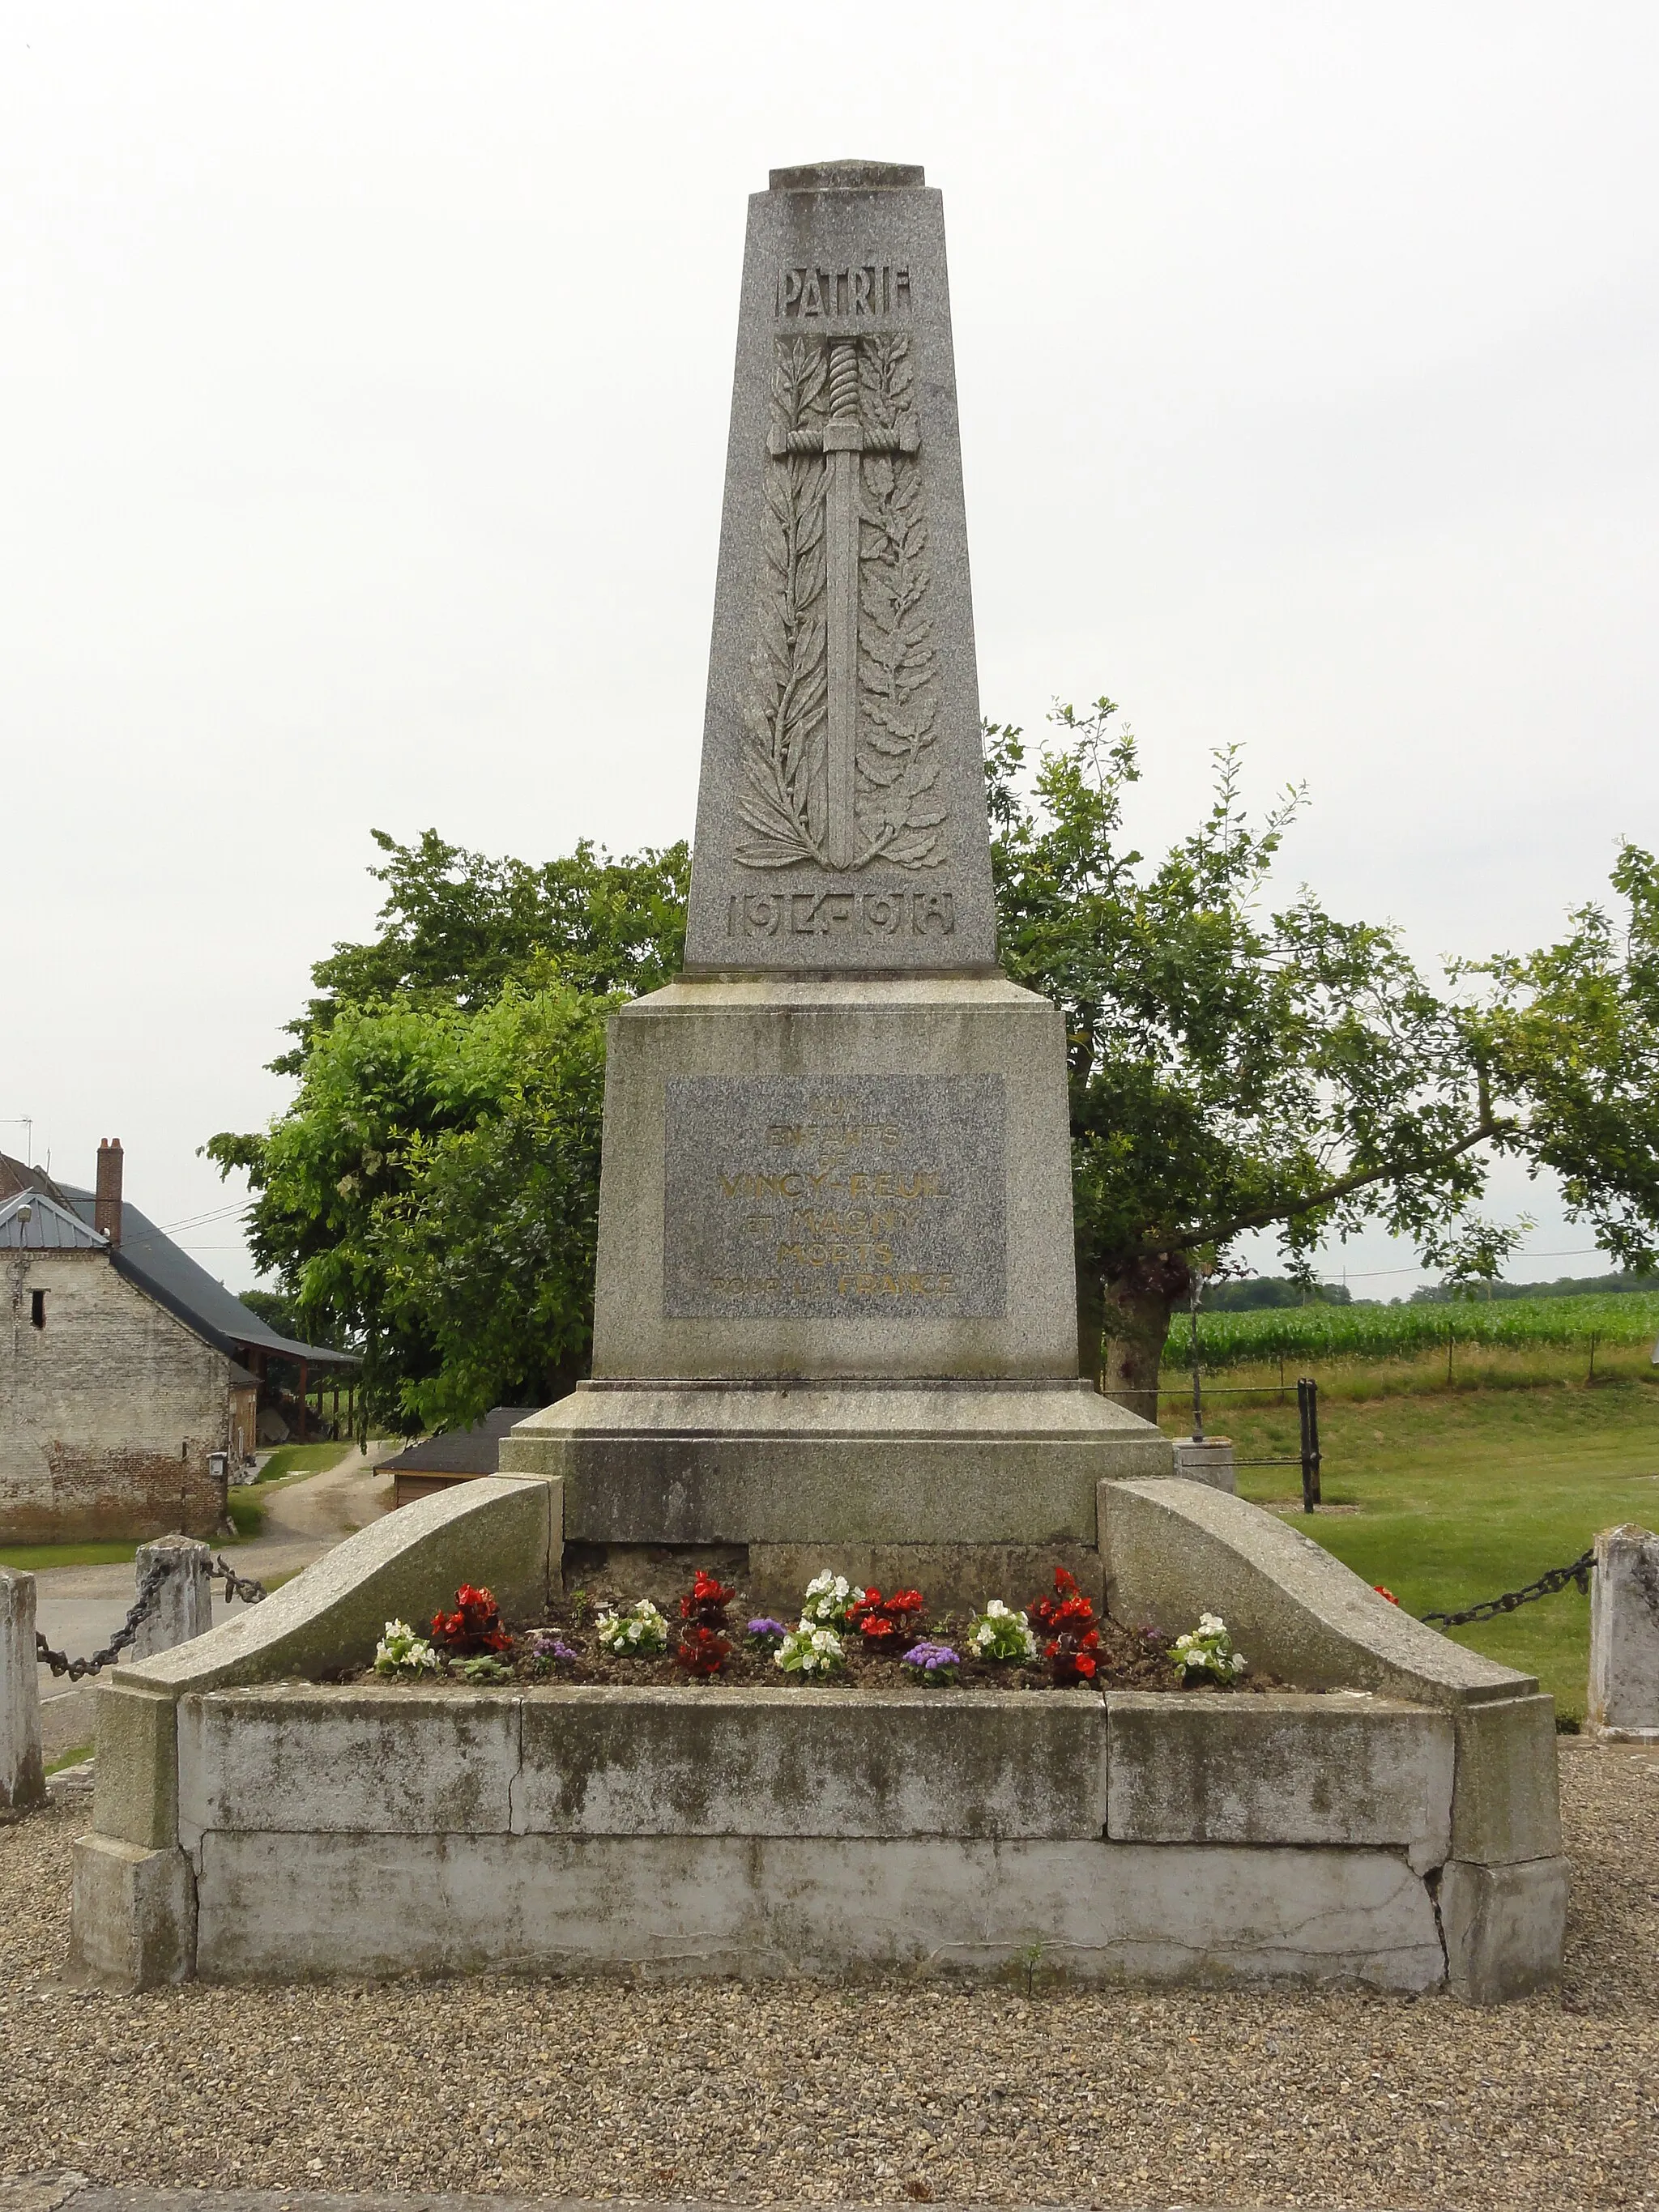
(898, 668)
(788, 708)
(784, 804)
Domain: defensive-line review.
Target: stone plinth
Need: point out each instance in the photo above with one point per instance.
(1207, 1459)
(805, 1178)
(966, 1487)
(836, 1307)
(1624, 1665)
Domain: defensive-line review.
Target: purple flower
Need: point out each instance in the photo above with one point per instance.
(930, 1657)
(543, 1646)
(764, 1630)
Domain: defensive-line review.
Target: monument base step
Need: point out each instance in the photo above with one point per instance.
(771, 1578)
(871, 1474)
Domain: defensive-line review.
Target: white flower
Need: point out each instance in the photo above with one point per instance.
(642, 1628)
(810, 1649)
(998, 1633)
(1208, 1649)
(829, 1597)
(401, 1651)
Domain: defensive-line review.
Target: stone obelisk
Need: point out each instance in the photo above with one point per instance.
(835, 1319)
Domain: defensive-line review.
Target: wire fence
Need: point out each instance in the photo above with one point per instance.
(1307, 1459)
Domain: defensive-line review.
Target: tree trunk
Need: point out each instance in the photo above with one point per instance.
(1136, 1308)
(1090, 1323)
(562, 1375)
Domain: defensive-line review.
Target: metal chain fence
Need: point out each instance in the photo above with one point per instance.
(149, 1591)
(1546, 1586)
(241, 1586)
(144, 1604)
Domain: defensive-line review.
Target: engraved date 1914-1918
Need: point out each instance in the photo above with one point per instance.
(841, 914)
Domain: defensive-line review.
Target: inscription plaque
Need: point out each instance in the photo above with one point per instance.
(820, 1196)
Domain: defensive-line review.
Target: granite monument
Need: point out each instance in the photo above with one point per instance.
(835, 1319)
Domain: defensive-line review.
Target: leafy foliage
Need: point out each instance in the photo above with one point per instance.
(1230, 1068)
(458, 926)
(1234, 1067)
(1570, 1035)
(434, 1190)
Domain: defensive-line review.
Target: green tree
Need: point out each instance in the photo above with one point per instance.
(457, 925)
(1237, 1067)
(1234, 1067)
(433, 1190)
(1570, 1035)
(431, 1193)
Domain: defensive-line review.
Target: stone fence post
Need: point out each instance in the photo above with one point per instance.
(1207, 1461)
(1624, 1665)
(184, 1605)
(22, 1774)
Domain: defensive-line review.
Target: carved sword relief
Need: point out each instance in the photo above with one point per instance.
(841, 768)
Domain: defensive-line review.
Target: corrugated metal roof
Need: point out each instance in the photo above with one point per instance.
(48, 1227)
(148, 1256)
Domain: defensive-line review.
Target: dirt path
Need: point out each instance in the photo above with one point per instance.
(78, 1608)
(305, 1519)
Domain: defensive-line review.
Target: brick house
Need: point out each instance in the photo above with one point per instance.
(129, 1380)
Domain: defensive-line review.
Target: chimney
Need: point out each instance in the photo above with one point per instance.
(107, 1204)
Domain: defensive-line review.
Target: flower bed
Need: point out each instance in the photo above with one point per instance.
(856, 1639)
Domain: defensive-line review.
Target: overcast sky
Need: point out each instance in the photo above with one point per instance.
(364, 373)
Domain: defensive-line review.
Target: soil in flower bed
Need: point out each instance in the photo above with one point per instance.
(1126, 1659)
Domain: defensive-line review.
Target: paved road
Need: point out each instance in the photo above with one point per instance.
(77, 1609)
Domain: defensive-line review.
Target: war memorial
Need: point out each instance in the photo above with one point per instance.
(835, 1330)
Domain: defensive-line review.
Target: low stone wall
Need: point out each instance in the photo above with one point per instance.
(250, 1823)
(378, 1830)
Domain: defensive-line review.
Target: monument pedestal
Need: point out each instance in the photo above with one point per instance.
(835, 1317)
(966, 1489)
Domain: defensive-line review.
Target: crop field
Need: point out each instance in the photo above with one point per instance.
(1522, 1340)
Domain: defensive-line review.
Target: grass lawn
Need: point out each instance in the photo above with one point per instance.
(1464, 1494)
(248, 1511)
(304, 1459)
(35, 1559)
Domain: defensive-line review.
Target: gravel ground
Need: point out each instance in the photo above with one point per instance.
(812, 2093)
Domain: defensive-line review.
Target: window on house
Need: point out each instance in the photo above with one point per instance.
(37, 1308)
